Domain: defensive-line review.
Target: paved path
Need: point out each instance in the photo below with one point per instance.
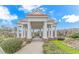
(35, 47)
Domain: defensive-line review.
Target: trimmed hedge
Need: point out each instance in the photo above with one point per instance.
(11, 45)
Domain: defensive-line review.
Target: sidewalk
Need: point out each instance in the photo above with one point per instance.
(35, 47)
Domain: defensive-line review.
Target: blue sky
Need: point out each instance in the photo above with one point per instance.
(67, 16)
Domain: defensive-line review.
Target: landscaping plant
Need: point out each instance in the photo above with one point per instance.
(11, 45)
(58, 47)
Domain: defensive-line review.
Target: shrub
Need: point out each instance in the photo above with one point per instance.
(47, 49)
(61, 38)
(1, 40)
(11, 45)
(76, 35)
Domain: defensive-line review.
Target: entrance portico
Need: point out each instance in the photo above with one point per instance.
(36, 22)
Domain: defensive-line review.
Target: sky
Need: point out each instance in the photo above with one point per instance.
(67, 16)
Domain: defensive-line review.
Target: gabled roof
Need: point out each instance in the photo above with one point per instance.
(37, 15)
(19, 24)
(52, 21)
(24, 20)
(37, 12)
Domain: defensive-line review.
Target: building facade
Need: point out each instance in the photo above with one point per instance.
(37, 24)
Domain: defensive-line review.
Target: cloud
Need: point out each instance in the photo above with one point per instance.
(51, 12)
(5, 14)
(71, 18)
(43, 9)
(59, 20)
(28, 7)
(8, 23)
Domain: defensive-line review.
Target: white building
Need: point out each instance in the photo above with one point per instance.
(37, 22)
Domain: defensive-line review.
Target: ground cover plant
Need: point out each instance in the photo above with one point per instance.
(58, 47)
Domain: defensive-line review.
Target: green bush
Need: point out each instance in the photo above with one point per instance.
(1, 40)
(76, 35)
(47, 49)
(61, 38)
(11, 45)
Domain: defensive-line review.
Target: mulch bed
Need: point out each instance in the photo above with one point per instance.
(73, 44)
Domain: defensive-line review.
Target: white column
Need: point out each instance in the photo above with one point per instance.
(49, 32)
(17, 33)
(55, 32)
(40, 32)
(45, 30)
(22, 34)
(33, 33)
(52, 29)
(29, 36)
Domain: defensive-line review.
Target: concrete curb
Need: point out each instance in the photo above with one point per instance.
(1, 51)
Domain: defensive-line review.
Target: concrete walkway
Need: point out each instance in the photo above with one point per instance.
(35, 47)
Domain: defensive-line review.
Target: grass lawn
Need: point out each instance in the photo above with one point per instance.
(60, 46)
(63, 46)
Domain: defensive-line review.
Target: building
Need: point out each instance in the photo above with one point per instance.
(39, 23)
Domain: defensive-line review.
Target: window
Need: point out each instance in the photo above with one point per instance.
(25, 25)
(49, 26)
